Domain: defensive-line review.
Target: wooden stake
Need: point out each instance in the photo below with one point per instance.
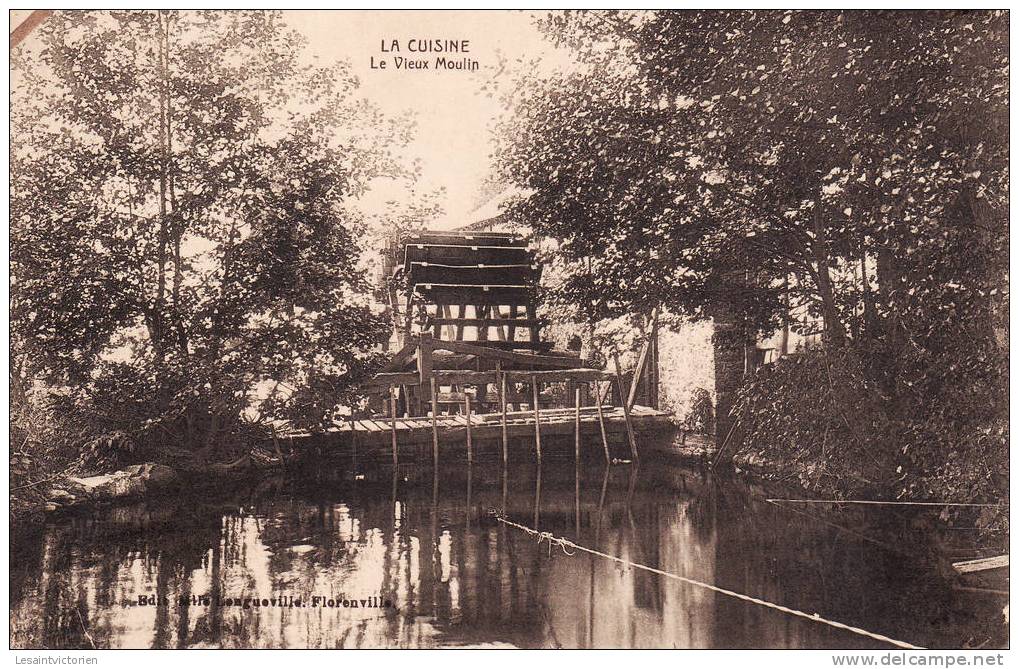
(392, 413)
(537, 416)
(626, 410)
(435, 425)
(470, 447)
(502, 401)
(576, 405)
(601, 422)
(638, 371)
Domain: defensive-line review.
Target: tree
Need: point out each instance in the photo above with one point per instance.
(184, 243)
(717, 160)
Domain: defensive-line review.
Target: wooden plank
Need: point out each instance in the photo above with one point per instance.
(471, 239)
(392, 405)
(424, 358)
(601, 426)
(378, 442)
(367, 426)
(578, 374)
(435, 426)
(638, 371)
(537, 419)
(463, 378)
(513, 415)
(380, 426)
(485, 322)
(462, 254)
(981, 564)
(401, 357)
(502, 403)
(507, 356)
(454, 293)
(532, 314)
(470, 447)
(383, 380)
(483, 273)
(512, 328)
(576, 406)
(481, 314)
(626, 410)
(542, 347)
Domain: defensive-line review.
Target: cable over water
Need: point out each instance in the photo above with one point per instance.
(883, 503)
(566, 545)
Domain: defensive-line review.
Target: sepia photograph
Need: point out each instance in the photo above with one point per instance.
(509, 329)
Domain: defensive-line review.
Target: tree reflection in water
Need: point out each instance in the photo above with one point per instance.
(458, 578)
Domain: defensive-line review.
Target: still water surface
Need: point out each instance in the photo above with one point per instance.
(456, 577)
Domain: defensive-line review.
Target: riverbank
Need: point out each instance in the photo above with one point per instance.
(32, 501)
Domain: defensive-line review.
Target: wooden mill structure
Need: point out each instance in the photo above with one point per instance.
(469, 370)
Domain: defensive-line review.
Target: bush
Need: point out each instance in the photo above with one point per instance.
(820, 417)
(701, 417)
(814, 416)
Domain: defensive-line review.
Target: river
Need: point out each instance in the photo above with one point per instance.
(411, 560)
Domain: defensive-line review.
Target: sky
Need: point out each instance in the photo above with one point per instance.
(454, 117)
(453, 141)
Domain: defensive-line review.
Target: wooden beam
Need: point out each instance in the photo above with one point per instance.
(502, 403)
(506, 356)
(435, 427)
(601, 426)
(392, 412)
(463, 378)
(981, 564)
(576, 428)
(425, 348)
(461, 313)
(579, 374)
(453, 293)
(467, 239)
(490, 273)
(482, 322)
(470, 448)
(396, 363)
(481, 314)
(25, 28)
(512, 328)
(537, 417)
(532, 314)
(626, 410)
(539, 347)
(638, 371)
(382, 381)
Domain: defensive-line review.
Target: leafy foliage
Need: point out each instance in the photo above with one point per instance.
(184, 247)
(853, 164)
(701, 417)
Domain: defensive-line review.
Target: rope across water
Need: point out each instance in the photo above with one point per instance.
(566, 545)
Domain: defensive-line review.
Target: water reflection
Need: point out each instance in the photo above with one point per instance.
(455, 577)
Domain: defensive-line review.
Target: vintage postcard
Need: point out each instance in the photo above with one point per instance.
(510, 329)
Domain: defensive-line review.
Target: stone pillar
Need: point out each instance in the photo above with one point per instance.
(729, 343)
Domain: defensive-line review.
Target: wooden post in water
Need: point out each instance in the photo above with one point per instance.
(537, 415)
(392, 416)
(576, 425)
(638, 371)
(502, 401)
(626, 410)
(470, 446)
(435, 424)
(601, 423)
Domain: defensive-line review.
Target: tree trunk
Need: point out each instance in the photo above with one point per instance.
(833, 329)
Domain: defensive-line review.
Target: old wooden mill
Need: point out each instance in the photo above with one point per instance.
(471, 375)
